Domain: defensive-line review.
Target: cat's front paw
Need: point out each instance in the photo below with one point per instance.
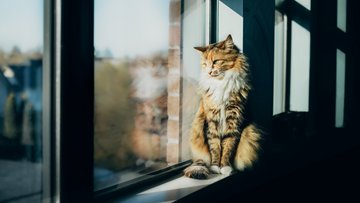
(215, 169)
(226, 170)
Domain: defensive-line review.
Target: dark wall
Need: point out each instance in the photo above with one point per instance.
(259, 48)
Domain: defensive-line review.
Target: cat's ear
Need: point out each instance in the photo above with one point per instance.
(229, 43)
(201, 49)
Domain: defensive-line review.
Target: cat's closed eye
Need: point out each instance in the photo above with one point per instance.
(218, 61)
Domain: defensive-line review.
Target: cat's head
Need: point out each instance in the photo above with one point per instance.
(220, 57)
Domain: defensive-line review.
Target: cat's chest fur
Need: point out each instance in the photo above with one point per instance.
(219, 92)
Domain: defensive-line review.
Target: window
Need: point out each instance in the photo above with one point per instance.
(145, 78)
(145, 81)
(146, 84)
(294, 72)
(340, 66)
(231, 11)
(21, 106)
(340, 88)
(136, 96)
(300, 68)
(305, 3)
(341, 15)
(292, 56)
(279, 63)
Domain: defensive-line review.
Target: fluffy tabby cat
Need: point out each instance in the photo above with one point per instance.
(220, 139)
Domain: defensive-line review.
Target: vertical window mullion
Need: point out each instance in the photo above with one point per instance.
(57, 102)
(48, 104)
(74, 99)
(211, 18)
(288, 63)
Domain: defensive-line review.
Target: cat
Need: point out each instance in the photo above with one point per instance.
(220, 139)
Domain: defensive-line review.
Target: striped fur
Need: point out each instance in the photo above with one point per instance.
(219, 140)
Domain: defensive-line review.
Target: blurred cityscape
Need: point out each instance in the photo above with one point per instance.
(20, 124)
(20, 105)
(130, 111)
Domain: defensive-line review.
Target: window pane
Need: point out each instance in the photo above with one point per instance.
(341, 15)
(340, 88)
(21, 46)
(279, 63)
(305, 3)
(300, 67)
(139, 78)
(231, 11)
(193, 34)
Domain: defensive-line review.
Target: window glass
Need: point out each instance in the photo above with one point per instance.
(300, 68)
(145, 68)
(305, 3)
(193, 34)
(21, 51)
(340, 88)
(231, 11)
(341, 15)
(279, 63)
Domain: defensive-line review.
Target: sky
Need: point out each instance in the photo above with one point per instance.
(21, 24)
(124, 27)
(136, 27)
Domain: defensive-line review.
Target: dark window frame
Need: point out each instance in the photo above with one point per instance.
(69, 104)
(68, 101)
(294, 12)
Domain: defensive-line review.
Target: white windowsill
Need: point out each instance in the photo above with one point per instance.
(172, 190)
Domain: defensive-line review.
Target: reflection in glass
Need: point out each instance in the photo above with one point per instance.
(21, 34)
(193, 34)
(140, 84)
(300, 66)
(131, 69)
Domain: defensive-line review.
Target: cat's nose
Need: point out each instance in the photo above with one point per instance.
(214, 73)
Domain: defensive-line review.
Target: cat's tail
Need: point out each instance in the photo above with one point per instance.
(197, 170)
(248, 148)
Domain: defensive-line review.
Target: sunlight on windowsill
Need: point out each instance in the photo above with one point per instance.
(184, 182)
(173, 190)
